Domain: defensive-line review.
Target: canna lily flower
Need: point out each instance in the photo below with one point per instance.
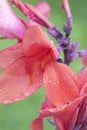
(11, 26)
(64, 91)
(23, 65)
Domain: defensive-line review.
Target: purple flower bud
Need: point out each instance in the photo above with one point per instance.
(74, 47)
(83, 53)
(60, 49)
(74, 56)
(55, 32)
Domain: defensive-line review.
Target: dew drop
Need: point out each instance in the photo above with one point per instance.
(16, 99)
(49, 81)
(25, 92)
(5, 101)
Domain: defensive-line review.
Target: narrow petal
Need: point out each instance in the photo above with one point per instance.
(61, 84)
(37, 124)
(10, 55)
(15, 82)
(36, 42)
(10, 25)
(44, 8)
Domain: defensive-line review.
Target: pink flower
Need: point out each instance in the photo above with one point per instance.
(65, 90)
(24, 65)
(10, 25)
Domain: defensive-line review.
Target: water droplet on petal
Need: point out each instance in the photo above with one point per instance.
(5, 101)
(16, 99)
(49, 81)
(25, 92)
(0, 99)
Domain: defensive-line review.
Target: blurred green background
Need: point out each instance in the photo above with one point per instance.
(17, 116)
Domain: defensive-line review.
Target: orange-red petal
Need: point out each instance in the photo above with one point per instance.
(36, 42)
(61, 84)
(37, 124)
(62, 115)
(10, 55)
(15, 82)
